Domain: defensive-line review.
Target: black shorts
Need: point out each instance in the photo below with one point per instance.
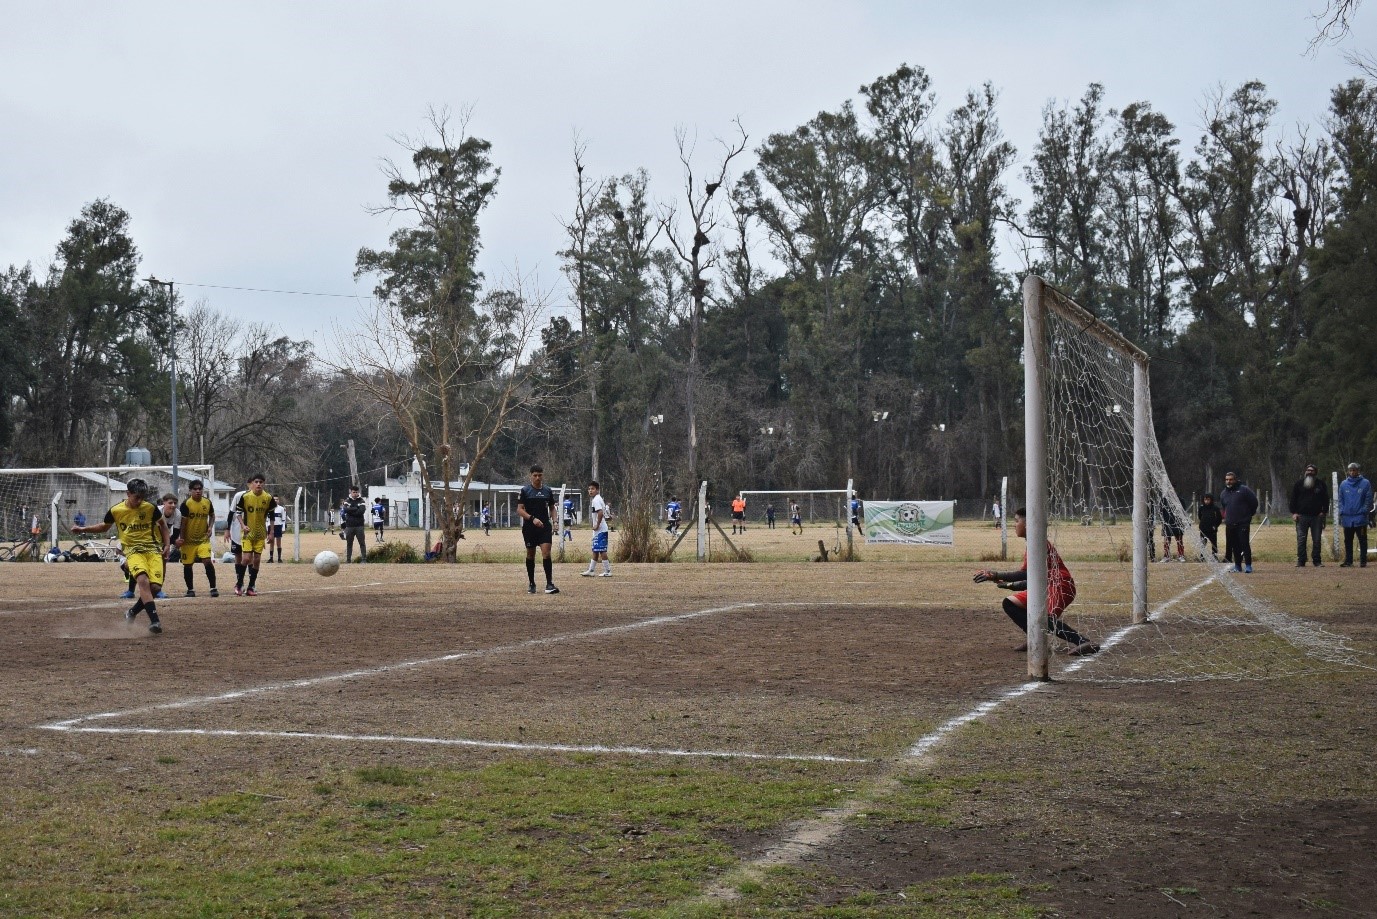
(277, 531)
(738, 515)
(535, 537)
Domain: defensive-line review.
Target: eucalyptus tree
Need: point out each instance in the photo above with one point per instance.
(450, 363)
(94, 339)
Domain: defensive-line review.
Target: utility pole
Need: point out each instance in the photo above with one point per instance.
(172, 366)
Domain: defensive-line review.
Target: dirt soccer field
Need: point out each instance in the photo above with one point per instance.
(775, 738)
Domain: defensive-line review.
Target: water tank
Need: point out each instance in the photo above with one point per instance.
(137, 456)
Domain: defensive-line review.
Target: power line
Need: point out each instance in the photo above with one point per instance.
(266, 290)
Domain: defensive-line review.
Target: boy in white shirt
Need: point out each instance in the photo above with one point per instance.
(597, 510)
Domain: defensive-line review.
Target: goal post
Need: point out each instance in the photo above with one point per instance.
(1081, 379)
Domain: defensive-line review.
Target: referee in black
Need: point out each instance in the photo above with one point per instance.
(534, 506)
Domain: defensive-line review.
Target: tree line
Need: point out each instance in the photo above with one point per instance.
(844, 308)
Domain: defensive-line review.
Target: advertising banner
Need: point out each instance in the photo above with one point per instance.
(915, 523)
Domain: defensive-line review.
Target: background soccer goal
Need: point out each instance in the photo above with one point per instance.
(1097, 486)
(56, 495)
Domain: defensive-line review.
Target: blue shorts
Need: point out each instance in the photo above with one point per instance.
(600, 542)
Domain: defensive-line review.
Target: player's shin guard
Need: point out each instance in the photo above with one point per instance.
(253, 577)
(549, 570)
(238, 575)
(530, 570)
(210, 575)
(186, 576)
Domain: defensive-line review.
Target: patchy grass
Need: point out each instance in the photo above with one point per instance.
(521, 838)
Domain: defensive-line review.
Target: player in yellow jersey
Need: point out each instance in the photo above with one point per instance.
(198, 526)
(254, 510)
(144, 539)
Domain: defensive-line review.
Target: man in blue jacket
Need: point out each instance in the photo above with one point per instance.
(1240, 504)
(1355, 502)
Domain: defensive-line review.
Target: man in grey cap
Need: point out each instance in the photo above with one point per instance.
(1309, 506)
(1355, 502)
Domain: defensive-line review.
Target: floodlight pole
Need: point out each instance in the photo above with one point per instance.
(172, 366)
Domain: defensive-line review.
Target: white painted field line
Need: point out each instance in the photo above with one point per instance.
(69, 724)
(812, 835)
(484, 744)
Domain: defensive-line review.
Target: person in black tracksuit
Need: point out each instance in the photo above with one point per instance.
(1210, 518)
(1240, 504)
(1309, 507)
(351, 517)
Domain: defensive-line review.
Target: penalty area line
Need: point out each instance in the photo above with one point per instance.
(307, 682)
(481, 744)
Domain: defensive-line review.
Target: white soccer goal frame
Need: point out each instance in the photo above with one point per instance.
(1040, 298)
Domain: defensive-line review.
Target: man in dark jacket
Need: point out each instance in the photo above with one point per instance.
(1309, 507)
(1240, 504)
(351, 514)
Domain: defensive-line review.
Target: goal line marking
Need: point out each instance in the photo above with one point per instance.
(482, 744)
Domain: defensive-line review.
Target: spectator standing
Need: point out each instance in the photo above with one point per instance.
(1240, 504)
(1355, 502)
(1309, 507)
(770, 515)
(1210, 518)
(351, 514)
(487, 520)
(79, 519)
(996, 512)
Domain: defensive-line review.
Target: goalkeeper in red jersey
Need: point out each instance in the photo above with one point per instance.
(1061, 590)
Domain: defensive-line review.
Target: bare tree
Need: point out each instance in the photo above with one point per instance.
(457, 386)
(698, 254)
(580, 231)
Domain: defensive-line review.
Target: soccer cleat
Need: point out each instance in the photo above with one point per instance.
(605, 574)
(160, 596)
(531, 589)
(586, 574)
(238, 591)
(1238, 567)
(250, 592)
(191, 593)
(1319, 564)
(214, 592)
(1247, 569)
(127, 595)
(130, 615)
(551, 589)
(156, 628)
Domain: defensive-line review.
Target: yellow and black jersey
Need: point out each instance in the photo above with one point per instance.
(197, 514)
(255, 509)
(137, 527)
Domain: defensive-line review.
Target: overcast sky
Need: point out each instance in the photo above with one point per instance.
(245, 138)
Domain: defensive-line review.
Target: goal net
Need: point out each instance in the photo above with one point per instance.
(47, 502)
(1149, 589)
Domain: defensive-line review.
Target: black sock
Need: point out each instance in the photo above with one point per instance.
(253, 576)
(186, 576)
(549, 570)
(210, 574)
(530, 571)
(152, 612)
(238, 575)
(137, 608)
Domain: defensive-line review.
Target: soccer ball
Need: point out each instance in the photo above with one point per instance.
(327, 563)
